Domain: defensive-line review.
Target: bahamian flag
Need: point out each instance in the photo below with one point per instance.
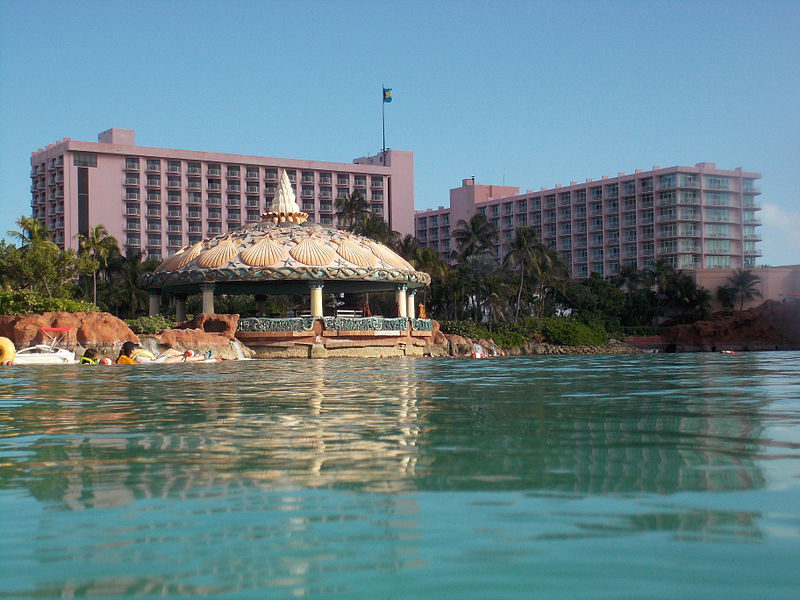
(387, 94)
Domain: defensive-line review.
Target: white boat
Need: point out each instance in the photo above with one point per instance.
(43, 354)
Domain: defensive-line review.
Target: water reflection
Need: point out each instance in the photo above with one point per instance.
(393, 426)
(294, 474)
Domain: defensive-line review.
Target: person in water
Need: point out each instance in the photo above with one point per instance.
(126, 354)
(89, 357)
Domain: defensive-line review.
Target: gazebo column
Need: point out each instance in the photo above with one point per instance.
(316, 299)
(180, 307)
(261, 304)
(400, 299)
(154, 302)
(410, 311)
(207, 290)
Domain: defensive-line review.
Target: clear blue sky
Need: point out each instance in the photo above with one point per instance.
(528, 94)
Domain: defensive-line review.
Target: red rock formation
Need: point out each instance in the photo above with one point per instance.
(224, 325)
(93, 329)
(771, 326)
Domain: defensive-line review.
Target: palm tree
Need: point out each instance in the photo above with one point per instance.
(100, 246)
(351, 209)
(31, 232)
(745, 285)
(374, 227)
(476, 236)
(526, 253)
(630, 278)
(407, 247)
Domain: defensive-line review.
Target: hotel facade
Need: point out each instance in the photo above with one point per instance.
(159, 200)
(697, 217)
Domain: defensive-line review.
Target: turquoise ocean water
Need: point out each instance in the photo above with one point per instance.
(635, 476)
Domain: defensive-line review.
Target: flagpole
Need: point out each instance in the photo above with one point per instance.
(383, 117)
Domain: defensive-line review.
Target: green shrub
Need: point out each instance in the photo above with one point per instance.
(467, 329)
(21, 302)
(149, 325)
(569, 332)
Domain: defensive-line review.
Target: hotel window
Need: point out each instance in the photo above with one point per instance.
(718, 262)
(271, 174)
(717, 230)
(214, 170)
(718, 246)
(325, 178)
(508, 208)
(629, 188)
(173, 166)
(666, 181)
(376, 182)
(522, 205)
(550, 201)
(251, 173)
(174, 240)
(688, 180)
(234, 215)
(717, 183)
(132, 164)
(342, 179)
(233, 171)
(612, 190)
(647, 184)
(718, 198)
(233, 199)
(564, 198)
(193, 168)
(536, 204)
(717, 214)
(84, 159)
(597, 193)
(688, 197)
(214, 199)
(666, 198)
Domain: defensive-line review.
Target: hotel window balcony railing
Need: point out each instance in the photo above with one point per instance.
(214, 230)
(234, 187)
(252, 189)
(360, 183)
(194, 214)
(195, 229)
(132, 227)
(174, 213)
(173, 169)
(307, 179)
(270, 176)
(752, 221)
(326, 194)
(251, 174)
(174, 227)
(193, 171)
(234, 173)
(753, 252)
(325, 180)
(151, 212)
(213, 186)
(211, 172)
(751, 205)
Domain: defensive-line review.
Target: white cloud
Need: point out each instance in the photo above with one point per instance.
(780, 232)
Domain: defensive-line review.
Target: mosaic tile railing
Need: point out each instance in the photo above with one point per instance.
(255, 324)
(279, 324)
(421, 325)
(365, 324)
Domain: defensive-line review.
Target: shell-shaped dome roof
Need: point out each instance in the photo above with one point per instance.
(290, 254)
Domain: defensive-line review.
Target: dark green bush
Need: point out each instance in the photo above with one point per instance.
(149, 325)
(569, 332)
(20, 302)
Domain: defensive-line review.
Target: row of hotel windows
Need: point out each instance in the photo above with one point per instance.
(716, 215)
(235, 171)
(154, 195)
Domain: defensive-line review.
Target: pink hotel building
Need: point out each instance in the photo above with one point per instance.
(696, 217)
(159, 200)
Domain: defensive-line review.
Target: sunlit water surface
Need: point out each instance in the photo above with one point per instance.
(644, 476)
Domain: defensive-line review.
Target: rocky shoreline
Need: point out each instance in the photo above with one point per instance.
(771, 326)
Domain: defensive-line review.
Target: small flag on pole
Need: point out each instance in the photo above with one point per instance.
(387, 94)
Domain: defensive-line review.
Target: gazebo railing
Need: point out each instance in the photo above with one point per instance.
(256, 324)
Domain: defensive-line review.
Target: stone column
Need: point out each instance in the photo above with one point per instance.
(180, 307)
(400, 299)
(207, 290)
(411, 310)
(154, 302)
(261, 304)
(316, 299)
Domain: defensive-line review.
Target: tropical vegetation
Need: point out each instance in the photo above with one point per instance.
(526, 293)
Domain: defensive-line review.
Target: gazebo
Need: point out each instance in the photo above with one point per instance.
(283, 254)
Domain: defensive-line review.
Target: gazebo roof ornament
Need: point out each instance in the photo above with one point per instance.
(284, 206)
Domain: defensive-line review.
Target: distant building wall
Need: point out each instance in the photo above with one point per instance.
(697, 217)
(780, 284)
(158, 199)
